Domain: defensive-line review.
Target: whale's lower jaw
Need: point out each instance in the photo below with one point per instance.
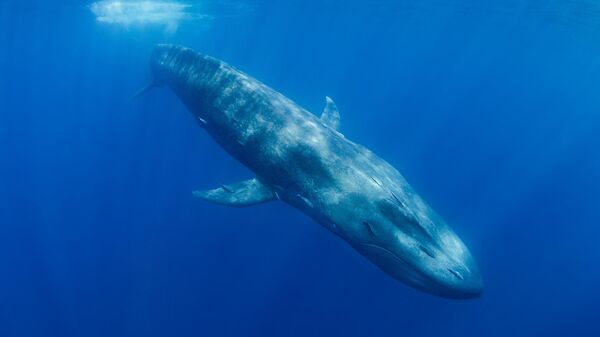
(406, 272)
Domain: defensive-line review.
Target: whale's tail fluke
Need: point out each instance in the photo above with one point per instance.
(142, 91)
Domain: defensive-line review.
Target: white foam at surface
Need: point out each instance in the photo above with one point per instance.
(147, 12)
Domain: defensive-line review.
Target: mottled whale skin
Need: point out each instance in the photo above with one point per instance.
(305, 161)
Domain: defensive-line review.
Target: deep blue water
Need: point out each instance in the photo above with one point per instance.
(490, 109)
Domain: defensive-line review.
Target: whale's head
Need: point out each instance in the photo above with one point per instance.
(410, 242)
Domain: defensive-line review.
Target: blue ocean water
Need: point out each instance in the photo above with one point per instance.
(490, 109)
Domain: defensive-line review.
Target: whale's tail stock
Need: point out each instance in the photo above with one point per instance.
(161, 55)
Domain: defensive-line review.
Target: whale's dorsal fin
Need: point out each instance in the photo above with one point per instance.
(241, 194)
(330, 115)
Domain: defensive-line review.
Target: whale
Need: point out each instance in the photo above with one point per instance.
(304, 160)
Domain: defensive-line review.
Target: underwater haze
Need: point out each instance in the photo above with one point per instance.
(490, 109)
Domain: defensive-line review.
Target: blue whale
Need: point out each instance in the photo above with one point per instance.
(304, 161)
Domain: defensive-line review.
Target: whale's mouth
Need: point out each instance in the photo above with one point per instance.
(395, 256)
(403, 270)
(396, 266)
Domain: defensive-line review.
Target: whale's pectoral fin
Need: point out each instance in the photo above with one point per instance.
(330, 115)
(241, 194)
